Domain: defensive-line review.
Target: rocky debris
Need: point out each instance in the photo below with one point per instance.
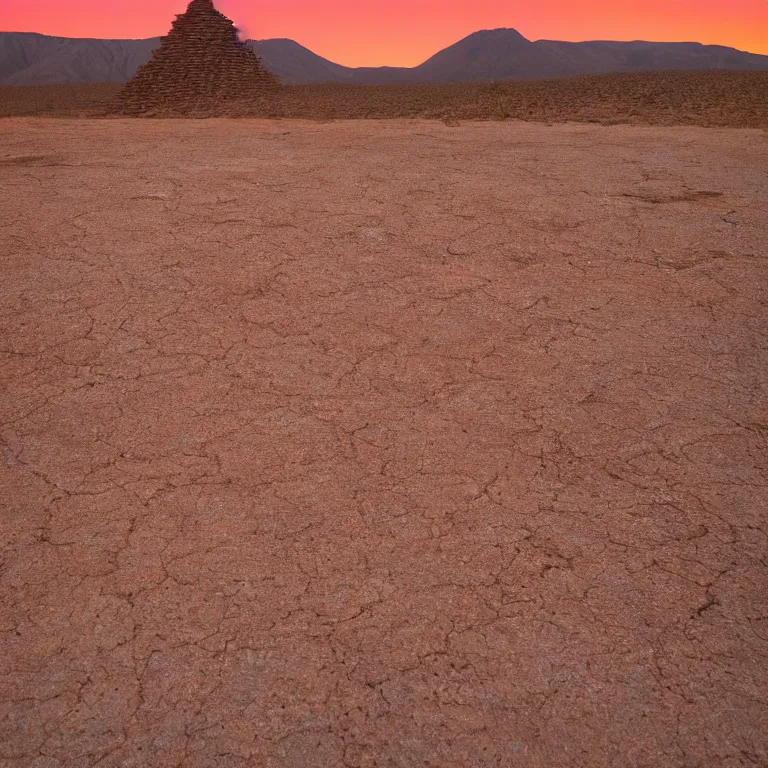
(201, 67)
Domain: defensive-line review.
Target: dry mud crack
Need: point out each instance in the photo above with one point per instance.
(382, 444)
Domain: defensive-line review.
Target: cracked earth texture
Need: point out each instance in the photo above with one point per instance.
(382, 444)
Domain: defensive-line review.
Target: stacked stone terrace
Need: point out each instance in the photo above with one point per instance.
(201, 67)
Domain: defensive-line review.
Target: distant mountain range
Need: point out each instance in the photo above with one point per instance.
(28, 58)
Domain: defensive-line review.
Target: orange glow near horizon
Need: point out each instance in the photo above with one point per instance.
(406, 32)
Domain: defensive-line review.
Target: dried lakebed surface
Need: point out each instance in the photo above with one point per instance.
(382, 444)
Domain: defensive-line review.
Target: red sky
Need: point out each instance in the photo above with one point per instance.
(405, 32)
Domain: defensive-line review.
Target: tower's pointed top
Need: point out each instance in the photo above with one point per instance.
(200, 6)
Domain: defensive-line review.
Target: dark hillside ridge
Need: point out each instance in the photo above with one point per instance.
(497, 54)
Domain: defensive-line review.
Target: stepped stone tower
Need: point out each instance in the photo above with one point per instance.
(200, 67)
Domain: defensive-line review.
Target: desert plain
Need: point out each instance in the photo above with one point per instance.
(387, 443)
(720, 99)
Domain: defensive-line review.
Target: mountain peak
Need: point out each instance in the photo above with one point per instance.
(500, 33)
(477, 54)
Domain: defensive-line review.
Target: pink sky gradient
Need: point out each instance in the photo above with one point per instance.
(405, 32)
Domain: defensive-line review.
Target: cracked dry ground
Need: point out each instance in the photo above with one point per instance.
(382, 444)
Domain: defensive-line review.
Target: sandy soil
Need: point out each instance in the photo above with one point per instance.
(382, 444)
(721, 99)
